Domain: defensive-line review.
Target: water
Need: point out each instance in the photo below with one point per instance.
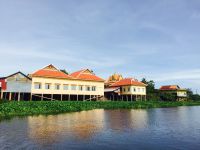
(165, 128)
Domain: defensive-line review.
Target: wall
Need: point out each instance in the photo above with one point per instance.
(132, 92)
(3, 84)
(182, 93)
(18, 83)
(52, 90)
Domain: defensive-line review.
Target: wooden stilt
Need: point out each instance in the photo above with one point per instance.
(131, 97)
(61, 97)
(42, 97)
(77, 97)
(83, 97)
(126, 97)
(90, 97)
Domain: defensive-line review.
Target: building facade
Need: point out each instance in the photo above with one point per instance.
(16, 87)
(50, 83)
(127, 89)
(180, 94)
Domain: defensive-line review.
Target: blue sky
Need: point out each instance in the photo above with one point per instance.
(156, 39)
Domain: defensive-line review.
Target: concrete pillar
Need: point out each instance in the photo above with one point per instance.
(69, 97)
(83, 97)
(126, 97)
(90, 97)
(42, 97)
(10, 96)
(131, 97)
(77, 97)
(61, 97)
(18, 99)
(31, 96)
(1, 95)
(51, 97)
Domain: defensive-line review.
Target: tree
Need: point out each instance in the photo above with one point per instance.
(152, 93)
(167, 96)
(192, 96)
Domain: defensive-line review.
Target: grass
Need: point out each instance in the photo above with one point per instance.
(11, 109)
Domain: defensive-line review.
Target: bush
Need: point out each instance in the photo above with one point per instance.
(168, 97)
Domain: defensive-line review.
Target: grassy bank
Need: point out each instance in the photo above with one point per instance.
(10, 109)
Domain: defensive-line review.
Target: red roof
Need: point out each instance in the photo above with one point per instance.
(50, 72)
(128, 81)
(86, 74)
(170, 87)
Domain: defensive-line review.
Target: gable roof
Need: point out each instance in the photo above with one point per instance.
(169, 87)
(19, 72)
(50, 71)
(128, 81)
(86, 74)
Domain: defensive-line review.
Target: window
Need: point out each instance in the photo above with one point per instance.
(87, 88)
(143, 90)
(128, 89)
(73, 87)
(138, 89)
(37, 85)
(134, 89)
(57, 86)
(80, 88)
(93, 88)
(47, 86)
(65, 87)
(124, 89)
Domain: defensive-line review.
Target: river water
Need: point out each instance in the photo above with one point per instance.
(162, 128)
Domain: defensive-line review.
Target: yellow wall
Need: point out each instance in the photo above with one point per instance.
(140, 90)
(53, 81)
(182, 93)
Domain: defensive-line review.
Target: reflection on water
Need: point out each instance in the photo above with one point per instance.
(81, 125)
(166, 128)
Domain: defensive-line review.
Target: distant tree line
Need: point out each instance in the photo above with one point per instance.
(156, 95)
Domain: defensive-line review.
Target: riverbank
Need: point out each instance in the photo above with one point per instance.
(11, 109)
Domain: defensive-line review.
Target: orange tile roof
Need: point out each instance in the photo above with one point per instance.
(169, 87)
(128, 81)
(86, 74)
(50, 72)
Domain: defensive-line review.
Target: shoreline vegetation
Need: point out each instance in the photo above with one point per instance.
(24, 108)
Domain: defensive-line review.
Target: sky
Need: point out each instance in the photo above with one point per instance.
(155, 39)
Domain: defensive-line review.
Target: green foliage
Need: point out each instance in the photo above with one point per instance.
(192, 96)
(23, 108)
(152, 93)
(168, 97)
